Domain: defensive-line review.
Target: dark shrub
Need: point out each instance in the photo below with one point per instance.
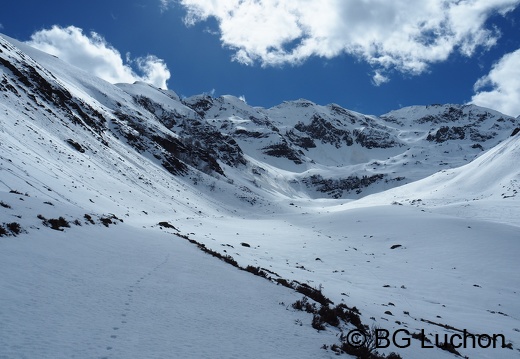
(329, 315)
(300, 304)
(448, 347)
(56, 224)
(314, 293)
(5, 205)
(358, 352)
(349, 315)
(366, 349)
(393, 355)
(284, 282)
(256, 271)
(317, 323)
(14, 228)
(106, 221)
(304, 305)
(420, 336)
(89, 219)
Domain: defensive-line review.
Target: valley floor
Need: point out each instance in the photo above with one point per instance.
(133, 292)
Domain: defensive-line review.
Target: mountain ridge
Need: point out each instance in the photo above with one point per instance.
(204, 132)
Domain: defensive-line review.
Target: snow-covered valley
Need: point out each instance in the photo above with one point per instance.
(409, 220)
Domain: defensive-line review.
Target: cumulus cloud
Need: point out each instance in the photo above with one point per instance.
(400, 34)
(378, 79)
(500, 89)
(93, 54)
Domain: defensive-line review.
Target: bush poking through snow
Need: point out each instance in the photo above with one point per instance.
(329, 316)
(368, 349)
(318, 323)
(304, 305)
(89, 219)
(284, 282)
(313, 293)
(106, 221)
(5, 205)
(393, 355)
(226, 258)
(55, 223)
(449, 347)
(10, 229)
(420, 336)
(14, 228)
(332, 316)
(257, 271)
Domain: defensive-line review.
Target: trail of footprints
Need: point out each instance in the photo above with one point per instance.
(129, 300)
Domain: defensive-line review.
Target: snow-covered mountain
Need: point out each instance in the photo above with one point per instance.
(409, 220)
(333, 152)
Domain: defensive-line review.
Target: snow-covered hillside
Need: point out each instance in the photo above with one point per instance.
(108, 193)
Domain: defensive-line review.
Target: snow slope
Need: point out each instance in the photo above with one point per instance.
(485, 189)
(127, 292)
(101, 185)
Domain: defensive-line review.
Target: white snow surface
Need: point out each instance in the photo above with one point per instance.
(443, 249)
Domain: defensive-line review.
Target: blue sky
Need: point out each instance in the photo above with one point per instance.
(370, 56)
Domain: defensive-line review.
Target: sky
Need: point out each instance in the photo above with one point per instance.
(370, 56)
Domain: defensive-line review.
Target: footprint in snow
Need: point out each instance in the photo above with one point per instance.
(130, 299)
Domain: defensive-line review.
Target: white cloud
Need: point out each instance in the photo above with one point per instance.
(378, 79)
(500, 89)
(165, 4)
(400, 34)
(93, 54)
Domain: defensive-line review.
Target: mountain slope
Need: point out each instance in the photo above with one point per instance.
(486, 188)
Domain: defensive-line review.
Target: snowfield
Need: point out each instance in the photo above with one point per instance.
(109, 193)
(133, 293)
